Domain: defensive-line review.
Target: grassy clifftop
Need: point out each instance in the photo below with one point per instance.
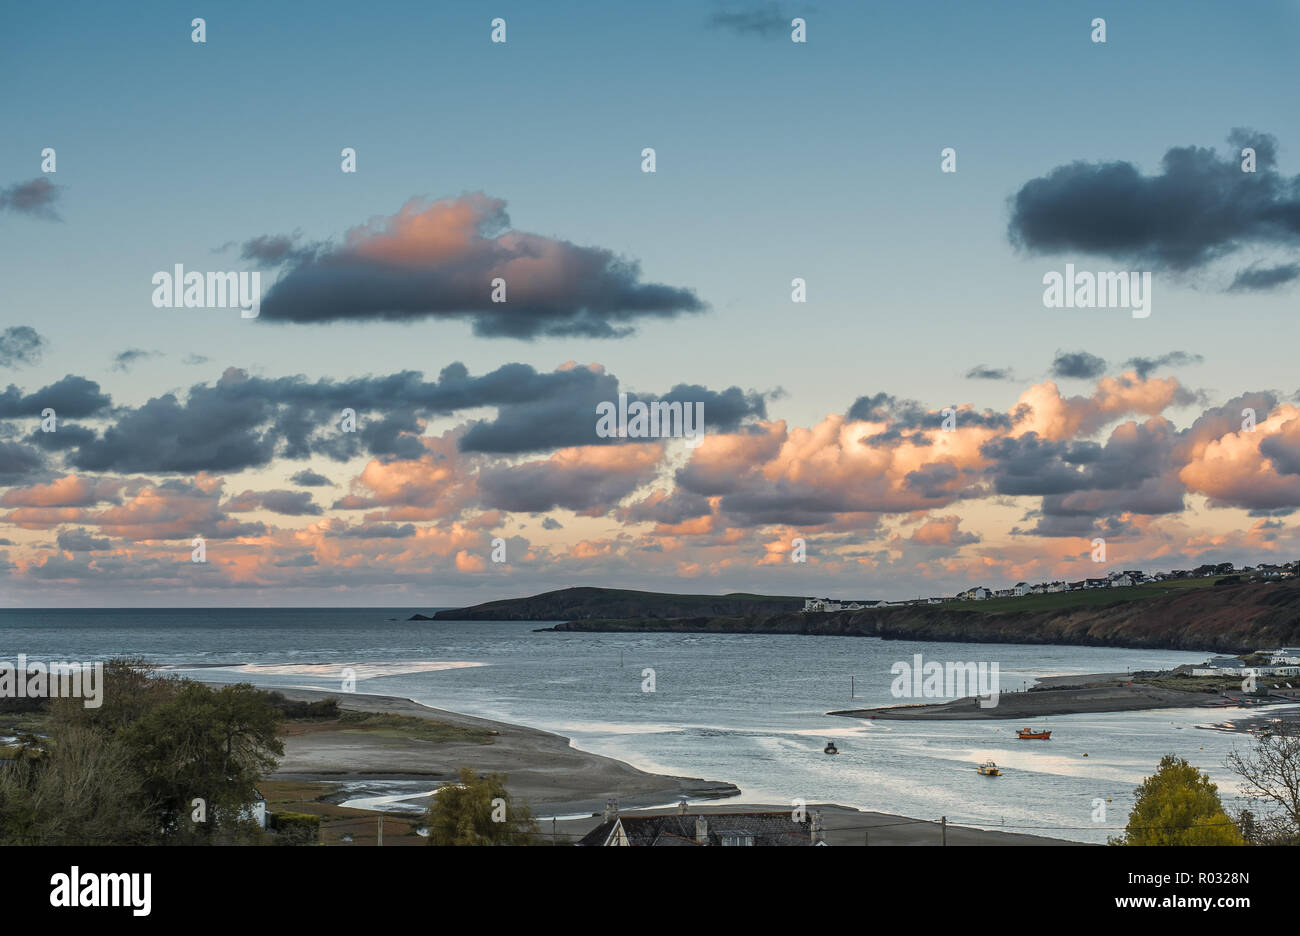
(1223, 618)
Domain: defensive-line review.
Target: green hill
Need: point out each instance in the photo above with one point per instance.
(1229, 617)
(575, 604)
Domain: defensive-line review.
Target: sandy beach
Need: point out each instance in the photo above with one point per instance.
(330, 765)
(543, 768)
(1053, 695)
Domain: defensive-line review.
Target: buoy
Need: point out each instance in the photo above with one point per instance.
(1085, 753)
(1108, 799)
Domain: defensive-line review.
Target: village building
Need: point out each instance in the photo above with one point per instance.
(687, 829)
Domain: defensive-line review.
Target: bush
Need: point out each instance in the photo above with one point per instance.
(295, 828)
(298, 709)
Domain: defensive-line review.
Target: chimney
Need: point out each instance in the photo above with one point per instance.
(681, 808)
(611, 810)
(701, 830)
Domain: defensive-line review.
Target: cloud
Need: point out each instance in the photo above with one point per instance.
(72, 397)
(588, 480)
(18, 461)
(1256, 278)
(274, 249)
(35, 197)
(980, 372)
(21, 344)
(244, 422)
(1200, 207)
(82, 541)
(123, 360)
(767, 21)
(309, 478)
(439, 259)
(1253, 469)
(1144, 366)
(1077, 364)
(286, 503)
(195, 359)
(942, 531)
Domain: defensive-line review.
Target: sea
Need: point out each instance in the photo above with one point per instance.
(750, 709)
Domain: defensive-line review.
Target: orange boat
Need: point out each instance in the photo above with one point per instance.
(1030, 734)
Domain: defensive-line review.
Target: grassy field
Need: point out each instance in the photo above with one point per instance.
(1092, 598)
(340, 825)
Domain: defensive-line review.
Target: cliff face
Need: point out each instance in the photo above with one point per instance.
(1223, 619)
(576, 604)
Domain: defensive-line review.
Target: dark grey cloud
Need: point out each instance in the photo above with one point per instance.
(244, 422)
(124, 360)
(274, 249)
(1257, 278)
(80, 540)
(1145, 365)
(1283, 451)
(534, 487)
(21, 344)
(1077, 365)
(909, 416)
(550, 523)
(374, 531)
(980, 372)
(19, 462)
(35, 197)
(681, 506)
(72, 397)
(285, 503)
(309, 478)
(438, 260)
(565, 413)
(1200, 207)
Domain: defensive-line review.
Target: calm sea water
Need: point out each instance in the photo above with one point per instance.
(749, 709)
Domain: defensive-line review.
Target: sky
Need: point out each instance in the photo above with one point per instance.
(476, 470)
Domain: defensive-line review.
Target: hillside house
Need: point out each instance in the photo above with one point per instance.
(724, 829)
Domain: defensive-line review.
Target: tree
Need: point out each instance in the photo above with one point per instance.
(477, 811)
(1178, 805)
(130, 691)
(1272, 776)
(206, 744)
(81, 791)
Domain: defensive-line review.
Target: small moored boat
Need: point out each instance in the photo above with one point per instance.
(989, 769)
(1039, 734)
(831, 748)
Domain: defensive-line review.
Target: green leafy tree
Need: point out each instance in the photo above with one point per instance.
(478, 811)
(131, 690)
(1178, 805)
(208, 744)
